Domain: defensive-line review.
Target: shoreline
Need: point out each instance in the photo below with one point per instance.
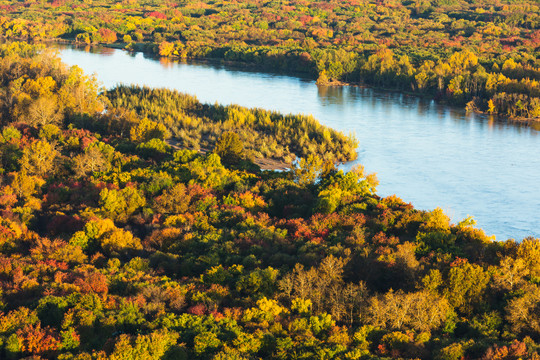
(269, 164)
(531, 122)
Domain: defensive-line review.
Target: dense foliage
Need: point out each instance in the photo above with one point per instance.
(265, 134)
(115, 245)
(482, 53)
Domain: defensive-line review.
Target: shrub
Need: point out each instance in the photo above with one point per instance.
(230, 148)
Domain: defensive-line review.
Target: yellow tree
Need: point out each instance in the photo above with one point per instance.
(509, 275)
(44, 111)
(147, 129)
(466, 286)
(93, 160)
(308, 170)
(39, 158)
(166, 48)
(529, 252)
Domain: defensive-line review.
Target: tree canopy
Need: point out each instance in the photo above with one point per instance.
(482, 55)
(116, 245)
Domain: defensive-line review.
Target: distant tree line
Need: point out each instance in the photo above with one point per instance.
(482, 55)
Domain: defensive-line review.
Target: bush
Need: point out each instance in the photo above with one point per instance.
(230, 148)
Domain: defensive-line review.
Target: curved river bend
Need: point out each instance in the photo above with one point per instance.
(427, 154)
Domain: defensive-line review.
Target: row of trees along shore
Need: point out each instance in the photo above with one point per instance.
(482, 54)
(115, 245)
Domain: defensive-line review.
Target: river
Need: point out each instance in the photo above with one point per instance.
(428, 154)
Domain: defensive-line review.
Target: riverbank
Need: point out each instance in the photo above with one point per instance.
(431, 155)
(148, 49)
(264, 163)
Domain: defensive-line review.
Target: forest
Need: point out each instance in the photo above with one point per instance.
(116, 245)
(481, 55)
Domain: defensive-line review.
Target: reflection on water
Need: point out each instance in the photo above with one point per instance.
(100, 50)
(426, 153)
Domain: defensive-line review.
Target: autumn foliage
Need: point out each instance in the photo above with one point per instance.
(108, 251)
(481, 55)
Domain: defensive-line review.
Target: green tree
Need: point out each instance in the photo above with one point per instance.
(308, 170)
(120, 205)
(230, 148)
(465, 287)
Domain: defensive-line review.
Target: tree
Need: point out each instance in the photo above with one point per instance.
(44, 111)
(147, 130)
(308, 170)
(174, 200)
(37, 340)
(510, 274)
(491, 107)
(160, 344)
(10, 151)
(118, 241)
(120, 205)
(39, 158)
(166, 48)
(230, 148)
(529, 252)
(25, 186)
(323, 78)
(107, 35)
(93, 160)
(523, 312)
(324, 287)
(421, 311)
(466, 286)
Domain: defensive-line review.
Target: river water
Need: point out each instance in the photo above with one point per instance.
(427, 154)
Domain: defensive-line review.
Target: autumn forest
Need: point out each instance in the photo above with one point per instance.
(140, 223)
(481, 55)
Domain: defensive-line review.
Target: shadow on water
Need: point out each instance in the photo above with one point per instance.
(427, 108)
(169, 63)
